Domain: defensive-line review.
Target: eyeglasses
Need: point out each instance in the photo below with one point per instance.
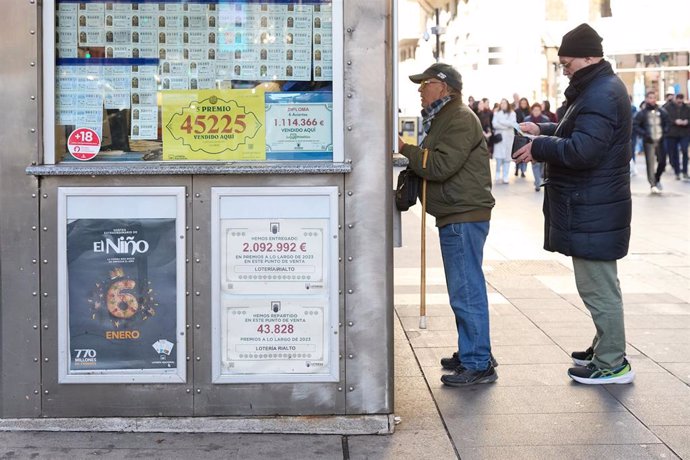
(428, 82)
(566, 65)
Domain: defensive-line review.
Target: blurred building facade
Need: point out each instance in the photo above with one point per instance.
(502, 47)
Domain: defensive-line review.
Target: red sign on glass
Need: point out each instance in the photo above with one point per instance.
(84, 144)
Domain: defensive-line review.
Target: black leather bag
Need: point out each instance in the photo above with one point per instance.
(407, 191)
(496, 138)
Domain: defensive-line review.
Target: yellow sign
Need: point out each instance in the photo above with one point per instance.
(214, 125)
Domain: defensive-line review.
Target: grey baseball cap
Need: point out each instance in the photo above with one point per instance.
(444, 72)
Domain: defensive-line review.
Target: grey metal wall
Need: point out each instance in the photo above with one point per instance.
(20, 370)
(28, 300)
(368, 222)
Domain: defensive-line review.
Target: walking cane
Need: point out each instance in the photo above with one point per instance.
(422, 288)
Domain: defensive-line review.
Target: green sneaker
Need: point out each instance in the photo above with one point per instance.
(590, 375)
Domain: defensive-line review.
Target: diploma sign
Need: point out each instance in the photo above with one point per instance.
(265, 255)
(274, 337)
(299, 126)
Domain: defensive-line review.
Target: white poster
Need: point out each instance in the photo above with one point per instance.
(274, 336)
(272, 255)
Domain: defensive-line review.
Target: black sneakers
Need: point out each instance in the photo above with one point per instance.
(465, 377)
(453, 362)
(582, 358)
(590, 375)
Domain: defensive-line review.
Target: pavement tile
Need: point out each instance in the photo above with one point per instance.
(558, 315)
(431, 357)
(413, 388)
(71, 446)
(431, 310)
(535, 293)
(418, 414)
(674, 336)
(568, 329)
(120, 453)
(676, 437)
(657, 297)
(655, 398)
(578, 429)
(530, 354)
(665, 352)
(504, 310)
(507, 336)
(403, 444)
(65, 441)
(680, 370)
(628, 452)
(406, 367)
(516, 375)
(261, 446)
(427, 338)
(414, 289)
(433, 323)
(495, 399)
(556, 302)
(515, 322)
(657, 309)
(415, 299)
(563, 284)
(660, 410)
(657, 322)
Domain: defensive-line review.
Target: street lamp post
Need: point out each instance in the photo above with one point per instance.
(437, 30)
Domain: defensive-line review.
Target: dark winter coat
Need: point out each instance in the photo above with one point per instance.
(676, 112)
(643, 128)
(587, 202)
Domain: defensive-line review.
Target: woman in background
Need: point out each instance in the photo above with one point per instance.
(503, 122)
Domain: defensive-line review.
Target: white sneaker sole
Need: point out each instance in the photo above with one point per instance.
(623, 379)
(581, 362)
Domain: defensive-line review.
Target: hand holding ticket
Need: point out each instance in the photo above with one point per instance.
(528, 129)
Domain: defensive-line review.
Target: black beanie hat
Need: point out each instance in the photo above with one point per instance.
(582, 41)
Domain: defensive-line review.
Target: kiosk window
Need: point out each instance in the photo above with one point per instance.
(198, 80)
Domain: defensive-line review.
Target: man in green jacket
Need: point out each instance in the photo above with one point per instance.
(459, 197)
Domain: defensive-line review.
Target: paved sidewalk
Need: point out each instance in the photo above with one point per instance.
(534, 410)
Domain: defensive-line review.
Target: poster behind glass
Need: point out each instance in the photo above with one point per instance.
(275, 309)
(163, 80)
(121, 301)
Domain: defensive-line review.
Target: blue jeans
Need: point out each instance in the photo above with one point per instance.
(462, 248)
(538, 171)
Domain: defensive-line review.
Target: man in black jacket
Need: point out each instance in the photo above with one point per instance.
(587, 202)
(651, 124)
(678, 135)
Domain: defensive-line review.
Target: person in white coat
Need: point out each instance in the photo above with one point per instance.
(503, 122)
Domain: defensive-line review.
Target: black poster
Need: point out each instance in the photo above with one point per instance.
(122, 294)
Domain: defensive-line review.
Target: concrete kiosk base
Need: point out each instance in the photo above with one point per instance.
(342, 424)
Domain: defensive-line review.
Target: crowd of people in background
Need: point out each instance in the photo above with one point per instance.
(661, 133)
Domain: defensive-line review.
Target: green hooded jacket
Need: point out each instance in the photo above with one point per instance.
(457, 169)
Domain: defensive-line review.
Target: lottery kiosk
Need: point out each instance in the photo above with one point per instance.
(197, 214)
